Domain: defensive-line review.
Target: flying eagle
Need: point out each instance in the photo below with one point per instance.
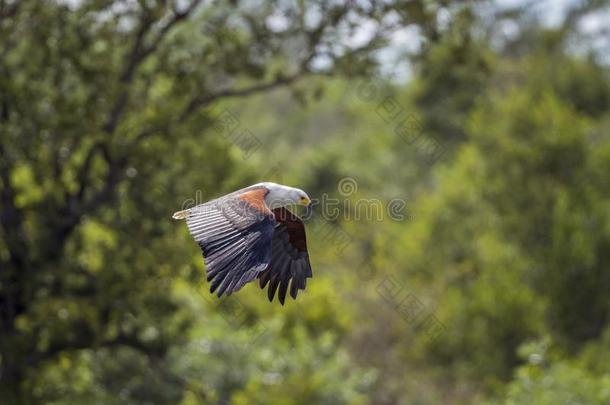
(251, 234)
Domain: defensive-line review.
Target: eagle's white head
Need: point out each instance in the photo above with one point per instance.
(282, 196)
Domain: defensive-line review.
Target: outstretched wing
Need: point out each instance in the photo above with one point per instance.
(289, 257)
(235, 234)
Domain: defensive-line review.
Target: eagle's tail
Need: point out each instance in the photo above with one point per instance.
(181, 214)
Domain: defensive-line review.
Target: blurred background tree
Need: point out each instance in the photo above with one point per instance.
(114, 114)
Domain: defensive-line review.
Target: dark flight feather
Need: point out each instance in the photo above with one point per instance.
(289, 258)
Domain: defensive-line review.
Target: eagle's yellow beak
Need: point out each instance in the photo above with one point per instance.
(305, 201)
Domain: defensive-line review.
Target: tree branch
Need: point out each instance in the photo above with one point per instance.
(76, 204)
(198, 101)
(133, 59)
(139, 53)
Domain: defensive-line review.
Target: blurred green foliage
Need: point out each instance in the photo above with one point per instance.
(113, 115)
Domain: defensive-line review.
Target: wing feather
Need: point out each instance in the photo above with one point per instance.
(289, 267)
(235, 235)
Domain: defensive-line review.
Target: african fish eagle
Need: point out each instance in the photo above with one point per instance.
(251, 234)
